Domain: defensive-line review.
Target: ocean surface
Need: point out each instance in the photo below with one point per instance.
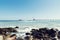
(27, 25)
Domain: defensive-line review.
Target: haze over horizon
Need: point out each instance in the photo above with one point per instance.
(29, 9)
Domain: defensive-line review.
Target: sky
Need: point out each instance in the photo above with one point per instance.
(29, 9)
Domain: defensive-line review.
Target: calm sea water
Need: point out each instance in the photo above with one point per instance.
(27, 25)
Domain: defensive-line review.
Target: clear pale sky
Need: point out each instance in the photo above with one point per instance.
(28, 9)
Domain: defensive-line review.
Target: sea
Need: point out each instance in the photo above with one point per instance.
(26, 25)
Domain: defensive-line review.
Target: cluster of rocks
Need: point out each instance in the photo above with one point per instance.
(43, 34)
(3, 31)
(35, 34)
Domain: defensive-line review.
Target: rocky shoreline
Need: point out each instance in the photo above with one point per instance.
(43, 34)
(35, 34)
